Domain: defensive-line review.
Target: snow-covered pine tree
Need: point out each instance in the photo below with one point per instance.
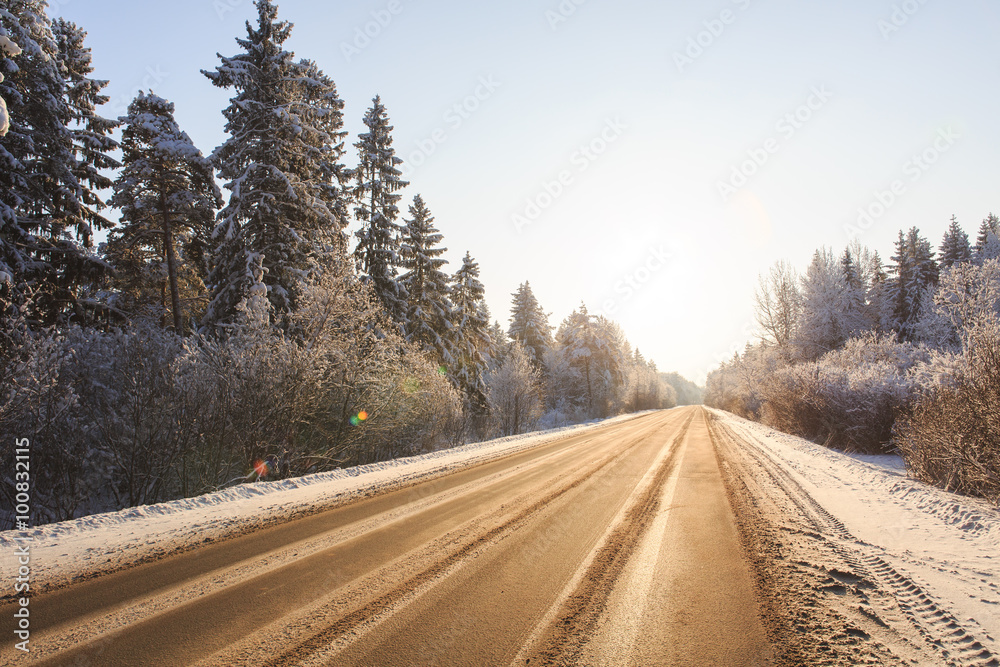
(988, 240)
(575, 343)
(377, 184)
(529, 324)
(49, 161)
(471, 340)
(878, 300)
(914, 271)
(168, 198)
(849, 269)
(428, 318)
(900, 275)
(955, 245)
(326, 110)
(281, 163)
(822, 323)
(499, 343)
(593, 358)
(91, 133)
(853, 301)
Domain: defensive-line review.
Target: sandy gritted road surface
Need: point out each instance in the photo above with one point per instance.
(616, 546)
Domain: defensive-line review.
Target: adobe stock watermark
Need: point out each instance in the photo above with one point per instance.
(633, 281)
(223, 7)
(153, 77)
(22, 518)
(786, 128)
(714, 29)
(562, 13)
(899, 17)
(56, 6)
(912, 171)
(453, 118)
(370, 31)
(581, 159)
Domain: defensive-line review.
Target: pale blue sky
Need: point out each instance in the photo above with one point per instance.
(675, 133)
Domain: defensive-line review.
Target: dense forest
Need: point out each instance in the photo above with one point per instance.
(163, 336)
(876, 358)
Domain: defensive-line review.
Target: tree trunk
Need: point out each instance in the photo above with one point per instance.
(168, 250)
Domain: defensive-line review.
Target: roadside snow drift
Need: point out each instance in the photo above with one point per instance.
(942, 549)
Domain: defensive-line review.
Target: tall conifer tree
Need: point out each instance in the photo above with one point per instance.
(50, 164)
(168, 198)
(428, 310)
(376, 191)
(472, 343)
(281, 164)
(955, 245)
(529, 325)
(988, 240)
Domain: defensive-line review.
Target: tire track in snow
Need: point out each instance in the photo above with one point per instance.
(940, 629)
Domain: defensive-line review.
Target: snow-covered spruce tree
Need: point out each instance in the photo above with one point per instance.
(822, 325)
(500, 343)
(591, 363)
(913, 273)
(854, 298)
(988, 240)
(570, 375)
(377, 184)
(955, 246)
(282, 166)
(91, 133)
(470, 336)
(428, 318)
(529, 324)
(168, 198)
(50, 162)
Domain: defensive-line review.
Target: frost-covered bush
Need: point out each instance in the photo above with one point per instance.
(514, 394)
(137, 415)
(738, 385)
(39, 403)
(128, 394)
(849, 398)
(952, 436)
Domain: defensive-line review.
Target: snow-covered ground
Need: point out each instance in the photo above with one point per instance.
(62, 552)
(945, 547)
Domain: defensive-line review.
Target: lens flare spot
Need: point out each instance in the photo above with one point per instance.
(363, 416)
(260, 467)
(355, 421)
(442, 370)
